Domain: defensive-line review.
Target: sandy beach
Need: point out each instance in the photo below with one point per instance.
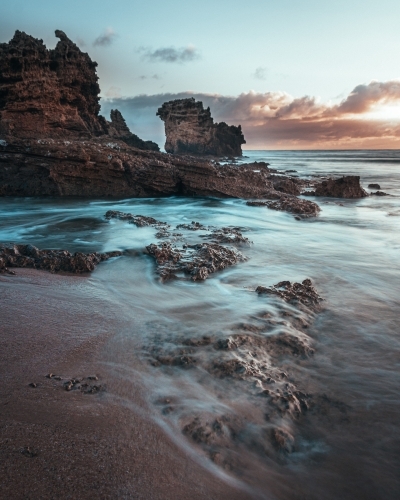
(68, 444)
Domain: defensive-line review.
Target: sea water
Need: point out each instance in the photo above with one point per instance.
(351, 447)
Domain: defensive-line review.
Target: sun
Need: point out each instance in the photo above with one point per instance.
(383, 112)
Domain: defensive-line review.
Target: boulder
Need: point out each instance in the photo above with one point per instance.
(344, 187)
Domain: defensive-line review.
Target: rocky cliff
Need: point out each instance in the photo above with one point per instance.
(53, 142)
(190, 129)
(53, 93)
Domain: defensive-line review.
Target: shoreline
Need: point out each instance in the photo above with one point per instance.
(61, 444)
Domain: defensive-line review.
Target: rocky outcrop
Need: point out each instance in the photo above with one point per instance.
(53, 93)
(53, 142)
(288, 203)
(345, 187)
(122, 132)
(100, 167)
(190, 129)
(50, 260)
(48, 92)
(298, 293)
(198, 261)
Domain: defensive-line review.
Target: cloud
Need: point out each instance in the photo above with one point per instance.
(278, 120)
(105, 39)
(260, 73)
(113, 92)
(363, 97)
(171, 54)
(153, 77)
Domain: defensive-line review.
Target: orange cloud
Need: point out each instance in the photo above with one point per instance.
(279, 121)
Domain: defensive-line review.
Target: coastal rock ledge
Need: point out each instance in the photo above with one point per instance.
(190, 129)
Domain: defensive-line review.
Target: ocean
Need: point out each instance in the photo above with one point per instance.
(344, 442)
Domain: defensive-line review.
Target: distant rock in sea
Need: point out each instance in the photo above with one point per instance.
(345, 187)
(190, 129)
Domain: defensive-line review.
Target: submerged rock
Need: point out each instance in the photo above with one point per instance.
(230, 235)
(50, 260)
(198, 261)
(138, 220)
(374, 186)
(259, 398)
(190, 129)
(379, 193)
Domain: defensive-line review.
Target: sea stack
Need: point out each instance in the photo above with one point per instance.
(190, 129)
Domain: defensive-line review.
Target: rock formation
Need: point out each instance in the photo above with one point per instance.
(344, 187)
(53, 142)
(190, 129)
(101, 167)
(50, 260)
(53, 93)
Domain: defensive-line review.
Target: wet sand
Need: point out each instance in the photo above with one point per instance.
(67, 444)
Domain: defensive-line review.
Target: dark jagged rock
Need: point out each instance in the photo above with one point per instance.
(50, 260)
(124, 134)
(190, 129)
(138, 220)
(198, 261)
(344, 187)
(230, 235)
(379, 193)
(374, 186)
(288, 203)
(48, 92)
(193, 226)
(303, 293)
(54, 93)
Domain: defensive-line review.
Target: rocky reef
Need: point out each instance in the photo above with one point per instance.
(190, 129)
(49, 260)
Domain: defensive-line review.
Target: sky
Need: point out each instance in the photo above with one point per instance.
(295, 75)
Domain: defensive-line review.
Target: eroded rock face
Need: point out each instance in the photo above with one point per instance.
(54, 93)
(104, 167)
(48, 92)
(190, 129)
(50, 260)
(345, 187)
